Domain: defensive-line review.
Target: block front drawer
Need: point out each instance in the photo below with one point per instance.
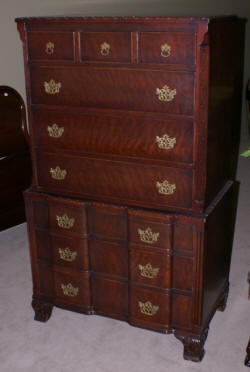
(133, 183)
(106, 46)
(51, 46)
(137, 136)
(167, 47)
(151, 91)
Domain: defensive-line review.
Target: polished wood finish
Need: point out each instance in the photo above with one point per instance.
(187, 284)
(202, 115)
(114, 134)
(118, 46)
(182, 48)
(15, 163)
(134, 131)
(38, 48)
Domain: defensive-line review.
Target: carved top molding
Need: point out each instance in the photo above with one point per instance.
(114, 19)
(124, 19)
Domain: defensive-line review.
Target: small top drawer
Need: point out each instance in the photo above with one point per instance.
(167, 47)
(51, 46)
(106, 46)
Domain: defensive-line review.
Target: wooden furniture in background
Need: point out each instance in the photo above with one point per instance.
(247, 359)
(248, 104)
(135, 126)
(15, 162)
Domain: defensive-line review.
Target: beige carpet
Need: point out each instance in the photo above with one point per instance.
(73, 342)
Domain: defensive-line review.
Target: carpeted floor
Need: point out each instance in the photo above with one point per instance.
(74, 342)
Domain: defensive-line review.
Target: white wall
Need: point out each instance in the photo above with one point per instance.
(11, 60)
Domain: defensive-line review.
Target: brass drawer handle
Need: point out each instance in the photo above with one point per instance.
(67, 255)
(65, 222)
(165, 94)
(50, 48)
(147, 236)
(165, 142)
(165, 50)
(105, 48)
(58, 173)
(55, 131)
(148, 271)
(147, 308)
(165, 188)
(69, 290)
(52, 87)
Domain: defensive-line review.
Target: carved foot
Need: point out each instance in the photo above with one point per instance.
(223, 302)
(42, 310)
(247, 360)
(193, 345)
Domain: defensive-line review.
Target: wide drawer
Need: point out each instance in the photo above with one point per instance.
(106, 46)
(130, 89)
(167, 47)
(137, 136)
(132, 183)
(51, 46)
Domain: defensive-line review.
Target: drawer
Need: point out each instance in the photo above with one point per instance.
(110, 297)
(106, 46)
(109, 258)
(137, 136)
(67, 218)
(62, 250)
(72, 288)
(150, 268)
(149, 306)
(150, 91)
(167, 47)
(70, 252)
(149, 230)
(107, 222)
(51, 46)
(118, 181)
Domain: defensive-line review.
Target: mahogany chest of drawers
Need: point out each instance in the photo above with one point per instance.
(135, 129)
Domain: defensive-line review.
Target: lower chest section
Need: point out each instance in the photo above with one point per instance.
(125, 263)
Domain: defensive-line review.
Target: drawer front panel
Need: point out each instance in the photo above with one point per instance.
(70, 252)
(128, 136)
(149, 230)
(66, 218)
(149, 306)
(167, 47)
(107, 222)
(170, 92)
(116, 180)
(109, 258)
(110, 297)
(106, 46)
(73, 288)
(51, 46)
(150, 268)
